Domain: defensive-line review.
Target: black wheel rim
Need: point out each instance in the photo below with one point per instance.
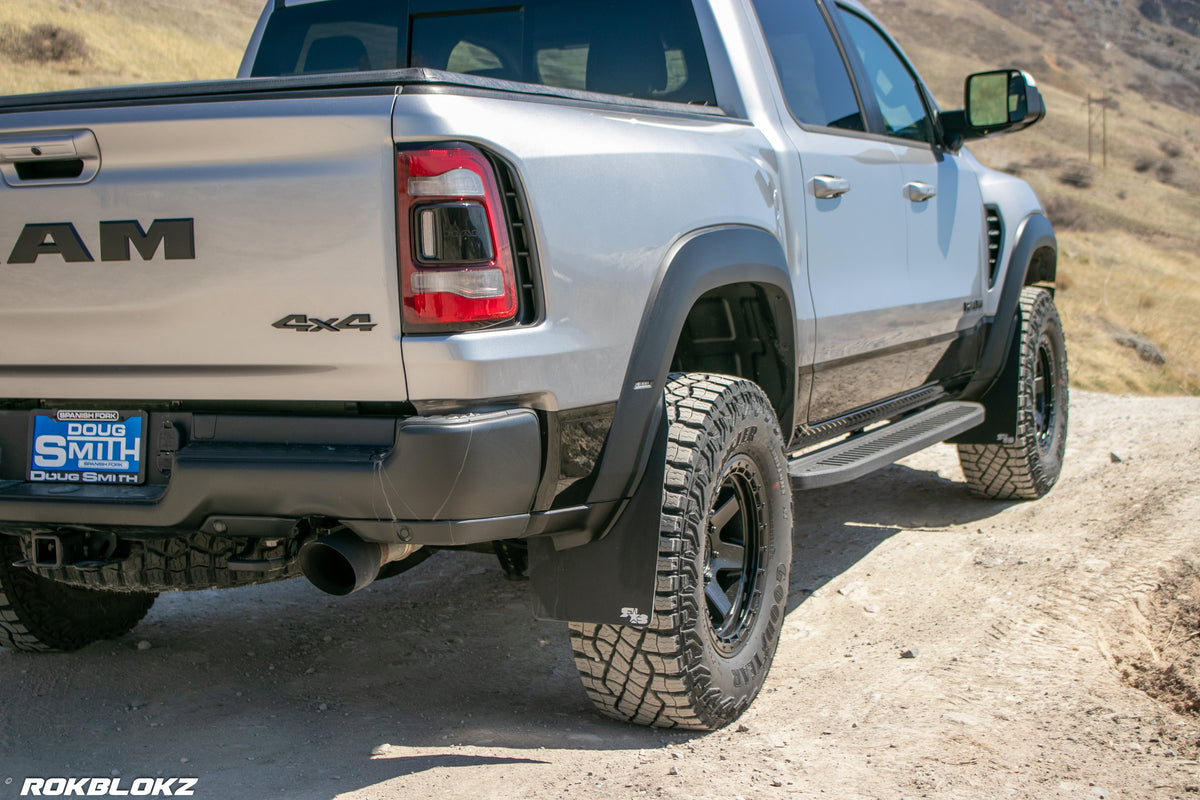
(734, 554)
(1045, 396)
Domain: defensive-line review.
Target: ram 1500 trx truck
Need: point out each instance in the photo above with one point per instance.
(594, 284)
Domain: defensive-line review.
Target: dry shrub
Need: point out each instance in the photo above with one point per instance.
(1044, 161)
(1143, 164)
(1081, 176)
(1152, 10)
(44, 44)
(1165, 172)
(1066, 215)
(1170, 149)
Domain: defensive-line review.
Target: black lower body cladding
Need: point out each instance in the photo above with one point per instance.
(468, 475)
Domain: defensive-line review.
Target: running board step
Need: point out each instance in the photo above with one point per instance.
(877, 448)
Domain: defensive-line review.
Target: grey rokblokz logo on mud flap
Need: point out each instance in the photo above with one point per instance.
(635, 616)
(108, 787)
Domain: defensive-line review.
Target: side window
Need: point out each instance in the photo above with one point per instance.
(486, 43)
(348, 36)
(809, 64)
(895, 88)
(649, 50)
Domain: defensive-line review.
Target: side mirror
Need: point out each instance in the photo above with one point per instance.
(1005, 100)
(1002, 101)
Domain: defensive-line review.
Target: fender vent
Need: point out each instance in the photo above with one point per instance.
(995, 238)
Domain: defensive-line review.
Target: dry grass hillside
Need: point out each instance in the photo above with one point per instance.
(1129, 229)
(66, 44)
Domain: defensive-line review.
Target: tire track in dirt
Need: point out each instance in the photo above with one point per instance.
(1049, 644)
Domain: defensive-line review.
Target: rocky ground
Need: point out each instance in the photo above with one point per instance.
(1056, 652)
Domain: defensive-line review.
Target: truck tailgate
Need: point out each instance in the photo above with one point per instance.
(228, 247)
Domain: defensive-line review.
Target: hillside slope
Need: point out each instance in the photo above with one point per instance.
(1129, 218)
(1151, 47)
(64, 44)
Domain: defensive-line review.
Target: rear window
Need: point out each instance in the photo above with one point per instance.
(633, 48)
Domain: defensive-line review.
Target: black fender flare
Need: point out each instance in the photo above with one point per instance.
(705, 260)
(611, 568)
(995, 381)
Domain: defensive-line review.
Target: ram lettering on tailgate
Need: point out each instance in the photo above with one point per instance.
(118, 239)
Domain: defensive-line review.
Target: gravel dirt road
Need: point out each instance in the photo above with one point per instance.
(1029, 624)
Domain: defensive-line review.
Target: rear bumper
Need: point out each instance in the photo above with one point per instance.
(428, 480)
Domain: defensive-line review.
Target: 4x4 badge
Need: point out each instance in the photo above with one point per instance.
(306, 324)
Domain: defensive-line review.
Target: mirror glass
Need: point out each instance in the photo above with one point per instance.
(989, 103)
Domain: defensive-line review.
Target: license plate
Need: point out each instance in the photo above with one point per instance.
(95, 447)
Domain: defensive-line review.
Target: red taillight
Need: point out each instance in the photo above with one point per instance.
(456, 263)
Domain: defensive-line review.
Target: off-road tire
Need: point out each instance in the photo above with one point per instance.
(1029, 467)
(186, 563)
(694, 666)
(40, 614)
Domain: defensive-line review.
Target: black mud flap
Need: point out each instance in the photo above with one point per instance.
(997, 383)
(610, 581)
(1000, 401)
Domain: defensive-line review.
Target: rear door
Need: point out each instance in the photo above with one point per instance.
(853, 213)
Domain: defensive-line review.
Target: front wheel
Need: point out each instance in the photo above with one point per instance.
(724, 556)
(1027, 468)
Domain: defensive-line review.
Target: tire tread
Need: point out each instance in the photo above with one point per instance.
(644, 675)
(183, 563)
(1018, 471)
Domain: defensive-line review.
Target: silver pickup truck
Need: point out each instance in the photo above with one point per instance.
(600, 286)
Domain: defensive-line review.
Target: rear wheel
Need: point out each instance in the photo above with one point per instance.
(1030, 466)
(724, 557)
(40, 614)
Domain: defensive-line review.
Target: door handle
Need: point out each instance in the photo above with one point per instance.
(919, 192)
(826, 187)
(37, 159)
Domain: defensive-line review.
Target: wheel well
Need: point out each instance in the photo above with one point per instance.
(742, 330)
(1043, 266)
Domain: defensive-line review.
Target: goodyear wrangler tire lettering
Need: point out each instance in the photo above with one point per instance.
(723, 566)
